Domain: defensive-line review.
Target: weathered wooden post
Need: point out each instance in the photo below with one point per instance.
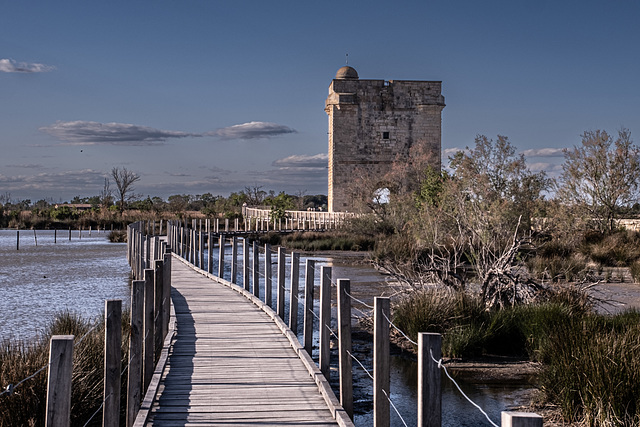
(221, 256)
(147, 367)
(309, 278)
(256, 269)
(166, 282)
(134, 383)
(325, 321)
(429, 380)
(293, 296)
(521, 419)
(201, 247)
(344, 346)
(245, 264)
(69, 233)
(381, 359)
(158, 289)
(209, 250)
(18, 240)
(268, 297)
(59, 381)
(55, 235)
(226, 225)
(147, 252)
(234, 260)
(282, 262)
(112, 360)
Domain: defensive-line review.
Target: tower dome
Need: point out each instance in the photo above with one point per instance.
(347, 73)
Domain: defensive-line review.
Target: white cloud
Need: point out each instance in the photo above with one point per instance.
(95, 133)
(302, 161)
(448, 152)
(545, 166)
(252, 130)
(11, 66)
(86, 181)
(26, 166)
(544, 152)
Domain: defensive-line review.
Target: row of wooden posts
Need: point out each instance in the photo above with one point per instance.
(55, 235)
(189, 244)
(150, 315)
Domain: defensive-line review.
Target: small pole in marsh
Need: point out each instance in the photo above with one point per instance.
(69, 233)
(55, 235)
(17, 240)
(35, 238)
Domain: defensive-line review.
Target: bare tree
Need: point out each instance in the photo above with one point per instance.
(124, 180)
(106, 195)
(602, 175)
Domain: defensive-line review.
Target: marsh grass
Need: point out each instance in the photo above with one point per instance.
(593, 369)
(320, 241)
(19, 360)
(591, 362)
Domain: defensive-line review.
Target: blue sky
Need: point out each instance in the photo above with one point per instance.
(213, 96)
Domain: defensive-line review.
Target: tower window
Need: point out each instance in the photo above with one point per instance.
(385, 135)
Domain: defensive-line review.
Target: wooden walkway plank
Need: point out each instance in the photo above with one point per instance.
(231, 365)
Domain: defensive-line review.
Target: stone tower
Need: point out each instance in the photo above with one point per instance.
(373, 123)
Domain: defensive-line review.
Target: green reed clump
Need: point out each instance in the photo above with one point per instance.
(634, 269)
(469, 329)
(19, 360)
(327, 241)
(118, 236)
(593, 369)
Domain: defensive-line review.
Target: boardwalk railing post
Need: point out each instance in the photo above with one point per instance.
(134, 385)
(520, 419)
(59, 381)
(234, 260)
(221, 256)
(166, 291)
(245, 264)
(325, 321)
(268, 274)
(309, 279)
(293, 297)
(344, 346)
(209, 251)
(282, 262)
(429, 380)
(147, 367)
(112, 360)
(256, 269)
(158, 287)
(381, 359)
(201, 246)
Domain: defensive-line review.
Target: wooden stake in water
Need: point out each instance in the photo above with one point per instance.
(35, 237)
(55, 235)
(17, 240)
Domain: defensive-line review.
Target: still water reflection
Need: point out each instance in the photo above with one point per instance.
(36, 282)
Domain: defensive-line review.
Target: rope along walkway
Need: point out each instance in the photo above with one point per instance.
(230, 364)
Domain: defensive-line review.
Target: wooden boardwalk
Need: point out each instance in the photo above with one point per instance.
(231, 365)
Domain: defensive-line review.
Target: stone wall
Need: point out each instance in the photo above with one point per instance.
(373, 123)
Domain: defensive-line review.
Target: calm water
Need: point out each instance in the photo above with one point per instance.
(36, 282)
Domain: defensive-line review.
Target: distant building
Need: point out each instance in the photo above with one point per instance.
(373, 123)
